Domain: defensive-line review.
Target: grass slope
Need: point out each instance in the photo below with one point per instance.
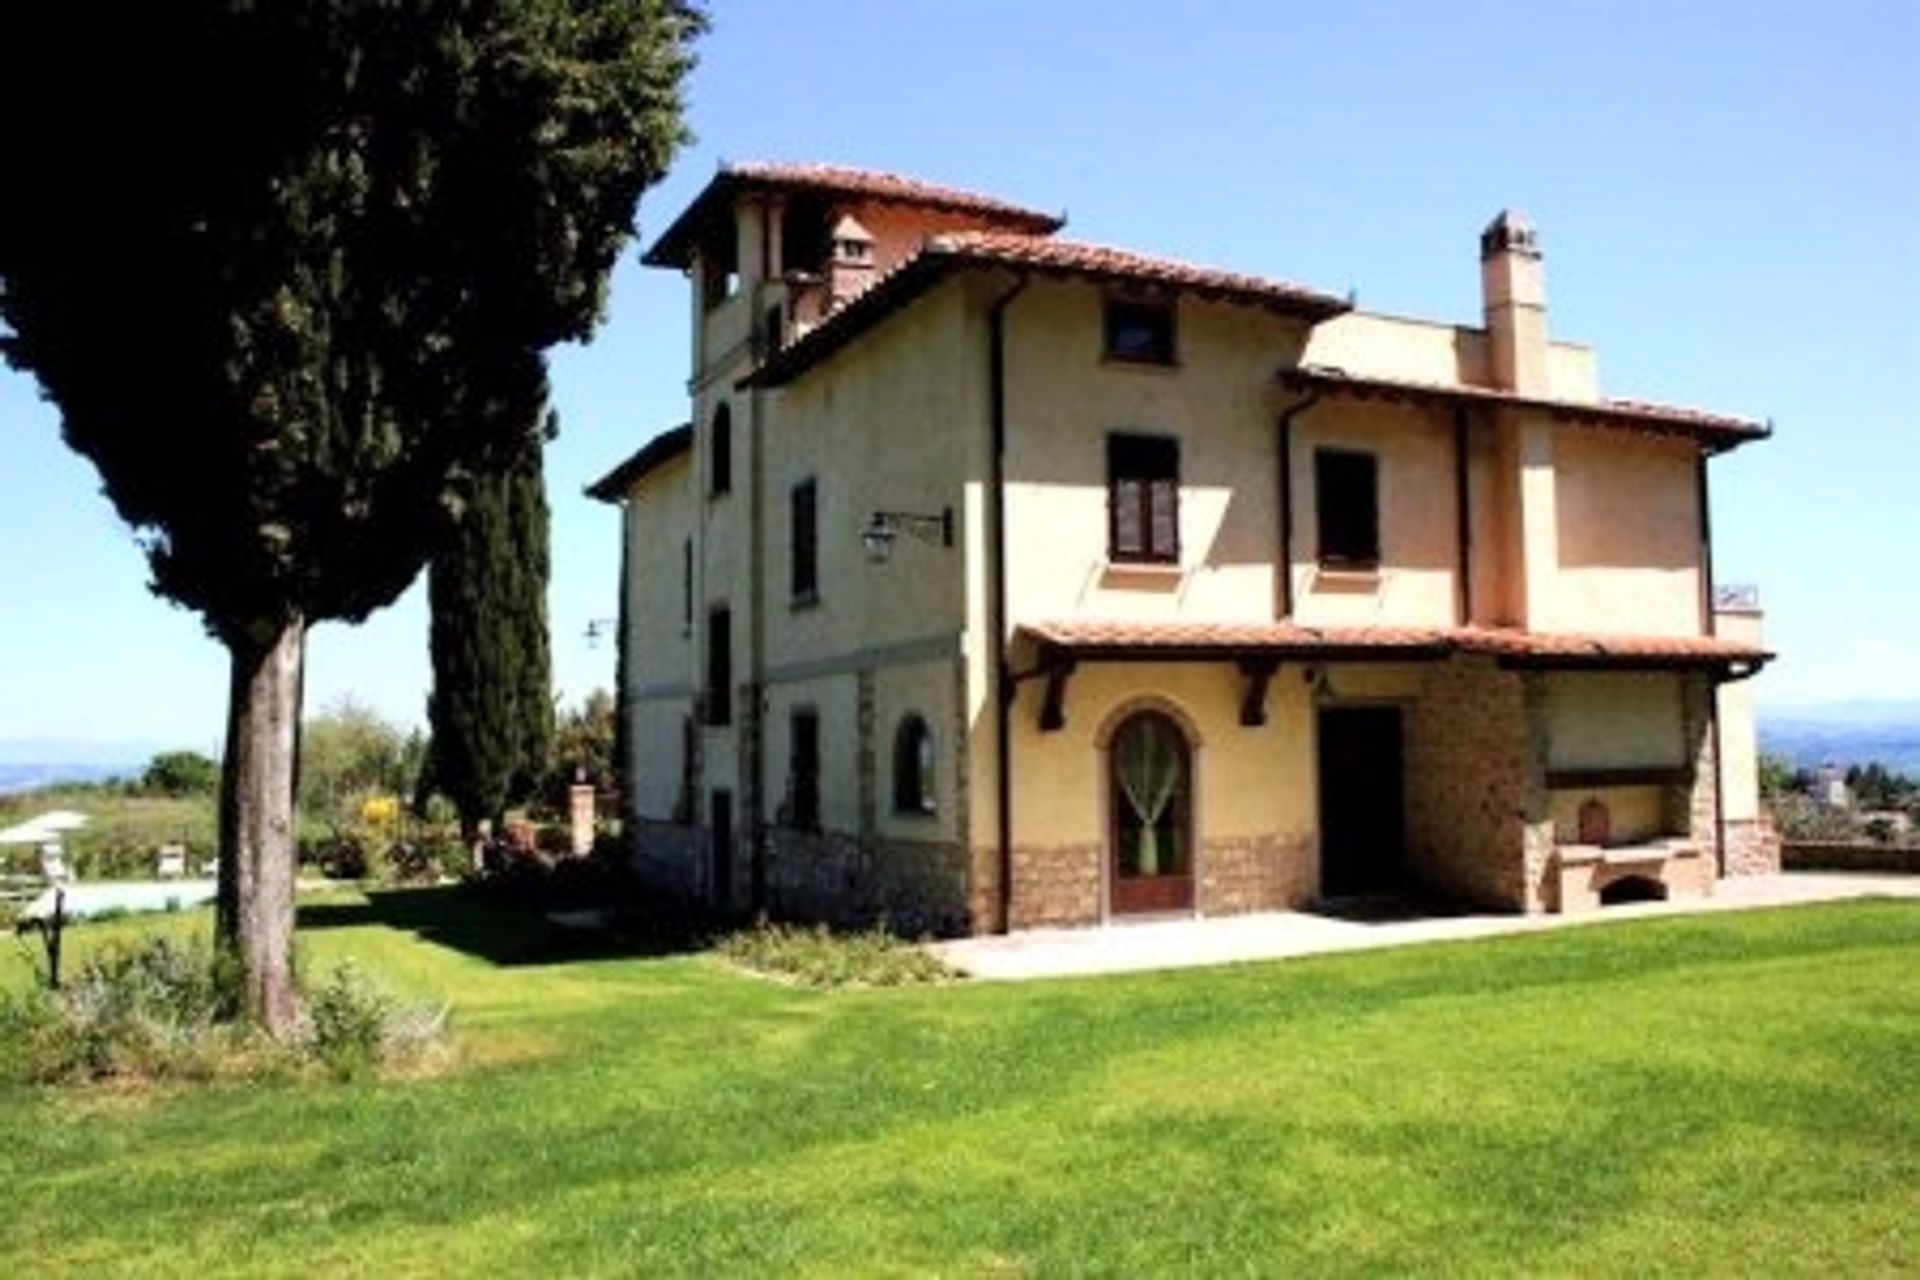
(1732, 1094)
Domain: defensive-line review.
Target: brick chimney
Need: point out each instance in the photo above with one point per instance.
(1514, 292)
(849, 261)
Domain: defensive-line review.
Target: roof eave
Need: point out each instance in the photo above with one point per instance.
(924, 270)
(1717, 434)
(615, 485)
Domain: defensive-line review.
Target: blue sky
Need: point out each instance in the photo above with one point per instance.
(1728, 197)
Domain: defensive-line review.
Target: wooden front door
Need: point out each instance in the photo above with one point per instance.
(1362, 814)
(1150, 828)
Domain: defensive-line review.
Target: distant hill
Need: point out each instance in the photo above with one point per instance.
(1845, 733)
(15, 778)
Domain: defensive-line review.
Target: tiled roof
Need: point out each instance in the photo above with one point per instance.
(617, 483)
(1068, 257)
(1636, 415)
(1167, 640)
(1584, 646)
(675, 245)
(1228, 637)
(1045, 255)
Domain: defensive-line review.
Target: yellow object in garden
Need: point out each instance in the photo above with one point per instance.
(378, 810)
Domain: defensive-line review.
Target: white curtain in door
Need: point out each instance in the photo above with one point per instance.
(1147, 756)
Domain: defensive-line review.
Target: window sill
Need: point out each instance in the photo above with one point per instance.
(916, 815)
(1110, 361)
(1347, 577)
(800, 604)
(1143, 575)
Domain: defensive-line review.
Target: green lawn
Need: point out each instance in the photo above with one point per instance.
(1731, 1094)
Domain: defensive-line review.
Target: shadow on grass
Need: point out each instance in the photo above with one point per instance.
(491, 924)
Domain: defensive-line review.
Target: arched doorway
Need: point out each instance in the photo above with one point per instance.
(1150, 826)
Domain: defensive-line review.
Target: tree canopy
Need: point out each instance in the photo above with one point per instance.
(289, 271)
(180, 773)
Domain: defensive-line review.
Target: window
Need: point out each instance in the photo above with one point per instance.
(1346, 485)
(913, 789)
(1139, 332)
(803, 543)
(773, 331)
(1143, 499)
(686, 586)
(720, 667)
(803, 769)
(689, 771)
(720, 452)
(720, 267)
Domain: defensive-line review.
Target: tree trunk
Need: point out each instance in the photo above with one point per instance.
(254, 909)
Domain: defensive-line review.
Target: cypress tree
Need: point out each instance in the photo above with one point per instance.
(491, 710)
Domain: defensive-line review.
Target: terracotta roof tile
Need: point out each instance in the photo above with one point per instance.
(1637, 415)
(881, 185)
(975, 249)
(1201, 639)
(675, 245)
(1071, 257)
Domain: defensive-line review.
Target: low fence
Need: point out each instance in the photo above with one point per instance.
(1848, 855)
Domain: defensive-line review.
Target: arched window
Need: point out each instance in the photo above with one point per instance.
(1152, 786)
(913, 789)
(720, 452)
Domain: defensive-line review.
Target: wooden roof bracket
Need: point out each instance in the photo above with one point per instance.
(1058, 668)
(1258, 673)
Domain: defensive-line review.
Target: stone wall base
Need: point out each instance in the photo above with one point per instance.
(1066, 885)
(914, 887)
(1752, 847)
(1256, 873)
(667, 856)
(1058, 885)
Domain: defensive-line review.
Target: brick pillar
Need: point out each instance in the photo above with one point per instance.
(580, 813)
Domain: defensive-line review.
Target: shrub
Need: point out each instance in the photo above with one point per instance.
(819, 957)
(156, 1010)
(166, 1010)
(354, 1025)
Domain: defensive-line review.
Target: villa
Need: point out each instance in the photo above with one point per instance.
(999, 580)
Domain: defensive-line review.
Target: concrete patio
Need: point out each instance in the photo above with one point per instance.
(1188, 943)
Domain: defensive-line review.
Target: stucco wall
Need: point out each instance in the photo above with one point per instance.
(883, 426)
(1739, 738)
(1419, 549)
(1064, 400)
(1635, 813)
(1375, 344)
(1615, 719)
(1628, 534)
(660, 656)
(1254, 798)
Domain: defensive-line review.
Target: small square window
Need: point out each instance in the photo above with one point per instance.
(1139, 332)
